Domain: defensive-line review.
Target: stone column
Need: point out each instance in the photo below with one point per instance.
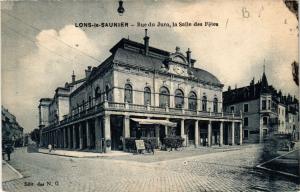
(80, 136)
(182, 132)
(88, 141)
(41, 138)
(232, 132)
(106, 120)
(52, 138)
(48, 140)
(55, 138)
(209, 134)
(98, 135)
(74, 137)
(221, 133)
(196, 133)
(241, 133)
(126, 129)
(157, 134)
(69, 137)
(64, 136)
(60, 138)
(166, 129)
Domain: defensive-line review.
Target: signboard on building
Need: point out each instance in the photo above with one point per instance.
(140, 145)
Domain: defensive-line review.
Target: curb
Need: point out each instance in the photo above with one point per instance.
(279, 172)
(14, 170)
(63, 155)
(260, 166)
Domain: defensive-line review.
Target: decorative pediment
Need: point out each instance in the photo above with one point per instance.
(178, 58)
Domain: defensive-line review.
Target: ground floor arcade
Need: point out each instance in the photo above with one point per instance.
(107, 132)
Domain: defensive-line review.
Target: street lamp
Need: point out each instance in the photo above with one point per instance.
(121, 9)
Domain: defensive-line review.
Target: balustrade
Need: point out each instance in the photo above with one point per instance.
(97, 107)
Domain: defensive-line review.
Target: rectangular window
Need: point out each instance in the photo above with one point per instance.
(246, 107)
(246, 134)
(269, 104)
(264, 105)
(232, 109)
(245, 121)
(265, 120)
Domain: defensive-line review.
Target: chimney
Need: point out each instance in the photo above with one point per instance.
(73, 77)
(88, 71)
(146, 43)
(188, 56)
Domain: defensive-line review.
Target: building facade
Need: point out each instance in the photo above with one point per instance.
(292, 116)
(264, 110)
(12, 132)
(142, 91)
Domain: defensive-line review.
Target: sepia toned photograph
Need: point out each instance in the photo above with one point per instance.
(150, 95)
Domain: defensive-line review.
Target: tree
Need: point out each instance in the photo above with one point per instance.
(35, 135)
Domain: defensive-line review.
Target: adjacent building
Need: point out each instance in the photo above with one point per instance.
(139, 91)
(264, 110)
(292, 116)
(12, 132)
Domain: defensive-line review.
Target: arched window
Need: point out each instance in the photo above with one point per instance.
(128, 93)
(192, 101)
(97, 93)
(204, 103)
(179, 99)
(147, 96)
(215, 105)
(164, 97)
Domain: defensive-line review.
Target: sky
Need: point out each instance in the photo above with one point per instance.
(40, 45)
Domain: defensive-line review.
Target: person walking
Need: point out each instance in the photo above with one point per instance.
(50, 148)
(3, 151)
(8, 150)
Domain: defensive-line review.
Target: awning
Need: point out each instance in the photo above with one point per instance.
(154, 121)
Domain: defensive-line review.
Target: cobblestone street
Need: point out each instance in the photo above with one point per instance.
(216, 171)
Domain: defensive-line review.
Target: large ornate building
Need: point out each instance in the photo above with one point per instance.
(264, 109)
(139, 91)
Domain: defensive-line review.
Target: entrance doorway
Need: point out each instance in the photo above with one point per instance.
(225, 134)
(191, 133)
(116, 129)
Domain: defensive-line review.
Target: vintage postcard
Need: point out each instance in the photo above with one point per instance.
(150, 95)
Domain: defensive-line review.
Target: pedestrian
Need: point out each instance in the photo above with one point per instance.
(292, 144)
(50, 148)
(8, 150)
(3, 151)
(152, 148)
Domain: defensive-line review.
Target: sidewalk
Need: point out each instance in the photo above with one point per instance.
(9, 173)
(235, 147)
(82, 154)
